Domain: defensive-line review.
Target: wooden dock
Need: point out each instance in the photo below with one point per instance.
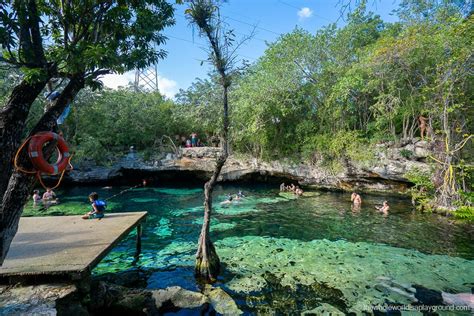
(65, 247)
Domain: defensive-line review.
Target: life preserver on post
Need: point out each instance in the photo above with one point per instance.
(35, 152)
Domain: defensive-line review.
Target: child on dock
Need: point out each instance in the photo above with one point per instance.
(98, 207)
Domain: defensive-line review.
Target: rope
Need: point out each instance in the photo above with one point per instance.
(123, 191)
(15, 162)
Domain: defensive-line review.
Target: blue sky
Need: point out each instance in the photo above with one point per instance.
(271, 19)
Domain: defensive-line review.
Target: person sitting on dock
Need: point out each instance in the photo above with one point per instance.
(36, 198)
(98, 207)
(356, 199)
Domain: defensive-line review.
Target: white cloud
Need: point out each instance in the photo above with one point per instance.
(305, 13)
(167, 87)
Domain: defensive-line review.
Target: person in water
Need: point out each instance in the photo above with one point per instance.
(98, 207)
(229, 200)
(299, 191)
(384, 208)
(356, 199)
(36, 198)
(49, 198)
(240, 194)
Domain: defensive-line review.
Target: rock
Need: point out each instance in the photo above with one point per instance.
(386, 172)
(221, 301)
(325, 310)
(34, 300)
(129, 278)
(179, 297)
(422, 149)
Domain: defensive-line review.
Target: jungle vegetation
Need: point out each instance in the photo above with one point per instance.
(322, 96)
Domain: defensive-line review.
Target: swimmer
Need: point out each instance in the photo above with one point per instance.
(384, 208)
(36, 198)
(282, 187)
(240, 194)
(49, 198)
(355, 199)
(299, 191)
(229, 199)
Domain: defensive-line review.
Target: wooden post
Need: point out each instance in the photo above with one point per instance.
(139, 242)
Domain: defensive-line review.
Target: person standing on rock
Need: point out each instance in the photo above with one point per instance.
(422, 125)
(194, 139)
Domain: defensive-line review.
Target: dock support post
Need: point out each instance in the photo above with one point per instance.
(139, 243)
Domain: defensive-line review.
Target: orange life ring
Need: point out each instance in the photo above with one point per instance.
(35, 152)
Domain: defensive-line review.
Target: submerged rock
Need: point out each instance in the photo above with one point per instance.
(179, 297)
(221, 301)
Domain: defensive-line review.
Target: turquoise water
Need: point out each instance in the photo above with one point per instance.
(286, 255)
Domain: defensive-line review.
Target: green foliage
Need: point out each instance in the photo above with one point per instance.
(405, 153)
(465, 213)
(423, 191)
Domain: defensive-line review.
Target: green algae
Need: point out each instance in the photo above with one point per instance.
(216, 225)
(352, 268)
(163, 229)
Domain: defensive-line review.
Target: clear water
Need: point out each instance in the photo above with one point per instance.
(285, 255)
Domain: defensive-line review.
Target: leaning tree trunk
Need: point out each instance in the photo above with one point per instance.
(12, 125)
(20, 185)
(207, 261)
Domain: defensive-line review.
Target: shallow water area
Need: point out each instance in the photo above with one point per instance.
(282, 254)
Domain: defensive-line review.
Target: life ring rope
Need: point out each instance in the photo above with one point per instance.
(39, 172)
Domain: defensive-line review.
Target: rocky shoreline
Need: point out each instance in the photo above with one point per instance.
(111, 297)
(387, 172)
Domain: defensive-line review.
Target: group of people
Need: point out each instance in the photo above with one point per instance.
(291, 188)
(357, 203)
(192, 141)
(46, 200)
(231, 198)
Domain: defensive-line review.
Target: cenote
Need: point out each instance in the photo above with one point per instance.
(286, 255)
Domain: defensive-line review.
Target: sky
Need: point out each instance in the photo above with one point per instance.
(269, 18)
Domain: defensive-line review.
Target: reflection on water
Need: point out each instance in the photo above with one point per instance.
(282, 254)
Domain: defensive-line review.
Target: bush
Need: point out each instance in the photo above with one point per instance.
(465, 213)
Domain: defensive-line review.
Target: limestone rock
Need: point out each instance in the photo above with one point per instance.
(221, 301)
(324, 310)
(179, 297)
(33, 300)
(386, 172)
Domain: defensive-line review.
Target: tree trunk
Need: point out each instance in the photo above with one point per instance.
(20, 185)
(12, 125)
(207, 261)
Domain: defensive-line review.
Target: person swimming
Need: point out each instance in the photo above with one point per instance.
(229, 200)
(356, 199)
(384, 208)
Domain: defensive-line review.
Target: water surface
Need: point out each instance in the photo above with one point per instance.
(283, 254)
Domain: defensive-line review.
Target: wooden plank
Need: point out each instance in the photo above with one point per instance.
(65, 245)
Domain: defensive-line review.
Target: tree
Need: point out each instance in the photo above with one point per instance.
(205, 15)
(86, 39)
